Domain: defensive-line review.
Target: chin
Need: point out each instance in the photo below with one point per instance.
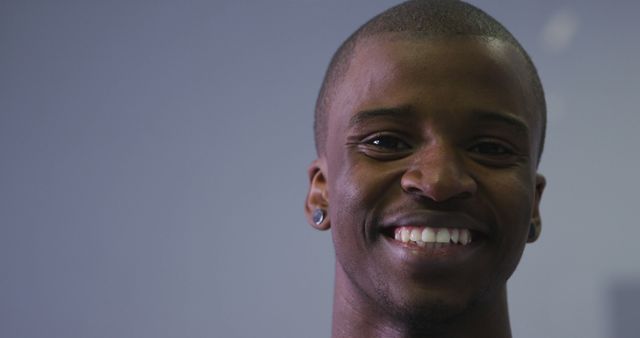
(429, 307)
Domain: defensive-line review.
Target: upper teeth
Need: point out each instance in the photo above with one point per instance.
(423, 235)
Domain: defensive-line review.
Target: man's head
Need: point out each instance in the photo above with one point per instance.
(429, 127)
(440, 18)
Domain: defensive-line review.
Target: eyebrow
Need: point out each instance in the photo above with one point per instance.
(513, 121)
(398, 113)
(407, 112)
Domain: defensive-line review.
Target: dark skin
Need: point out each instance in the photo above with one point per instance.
(438, 132)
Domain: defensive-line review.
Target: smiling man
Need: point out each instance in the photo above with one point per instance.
(429, 128)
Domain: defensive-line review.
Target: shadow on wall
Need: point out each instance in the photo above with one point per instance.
(625, 314)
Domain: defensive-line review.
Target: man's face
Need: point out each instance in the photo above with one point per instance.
(431, 134)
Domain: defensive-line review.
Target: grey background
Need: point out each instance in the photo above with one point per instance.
(153, 167)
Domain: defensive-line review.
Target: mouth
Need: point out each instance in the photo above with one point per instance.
(431, 249)
(431, 237)
(434, 233)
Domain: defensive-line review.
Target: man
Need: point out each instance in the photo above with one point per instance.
(429, 128)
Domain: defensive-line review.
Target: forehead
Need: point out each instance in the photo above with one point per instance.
(439, 74)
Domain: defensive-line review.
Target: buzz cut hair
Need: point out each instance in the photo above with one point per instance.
(421, 18)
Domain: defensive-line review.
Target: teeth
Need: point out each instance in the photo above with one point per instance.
(455, 234)
(416, 234)
(404, 235)
(428, 235)
(423, 235)
(443, 236)
(465, 237)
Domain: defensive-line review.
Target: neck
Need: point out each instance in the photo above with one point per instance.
(356, 315)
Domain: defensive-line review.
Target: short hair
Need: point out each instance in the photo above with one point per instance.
(428, 18)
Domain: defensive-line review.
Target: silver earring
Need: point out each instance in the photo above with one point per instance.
(318, 216)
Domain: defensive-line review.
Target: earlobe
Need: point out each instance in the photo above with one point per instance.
(534, 231)
(317, 203)
(536, 221)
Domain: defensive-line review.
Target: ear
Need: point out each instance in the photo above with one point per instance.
(536, 221)
(317, 197)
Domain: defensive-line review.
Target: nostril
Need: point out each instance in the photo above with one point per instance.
(439, 180)
(413, 190)
(412, 183)
(438, 194)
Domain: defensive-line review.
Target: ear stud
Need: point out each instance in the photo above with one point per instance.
(318, 216)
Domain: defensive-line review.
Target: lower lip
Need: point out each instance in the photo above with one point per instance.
(433, 253)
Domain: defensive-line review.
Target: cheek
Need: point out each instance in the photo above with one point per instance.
(353, 182)
(347, 211)
(358, 189)
(351, 197)
(513, 197)
(512, 205)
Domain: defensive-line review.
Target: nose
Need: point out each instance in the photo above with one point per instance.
(438, 173)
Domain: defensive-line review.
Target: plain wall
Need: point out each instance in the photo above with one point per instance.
(153, 161)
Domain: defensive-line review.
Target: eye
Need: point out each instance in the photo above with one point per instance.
(491, 148)
(387, 143)
(494, 154)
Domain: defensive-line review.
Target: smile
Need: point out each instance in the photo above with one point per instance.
(423, 236)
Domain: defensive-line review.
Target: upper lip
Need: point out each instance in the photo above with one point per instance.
(435, 219)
